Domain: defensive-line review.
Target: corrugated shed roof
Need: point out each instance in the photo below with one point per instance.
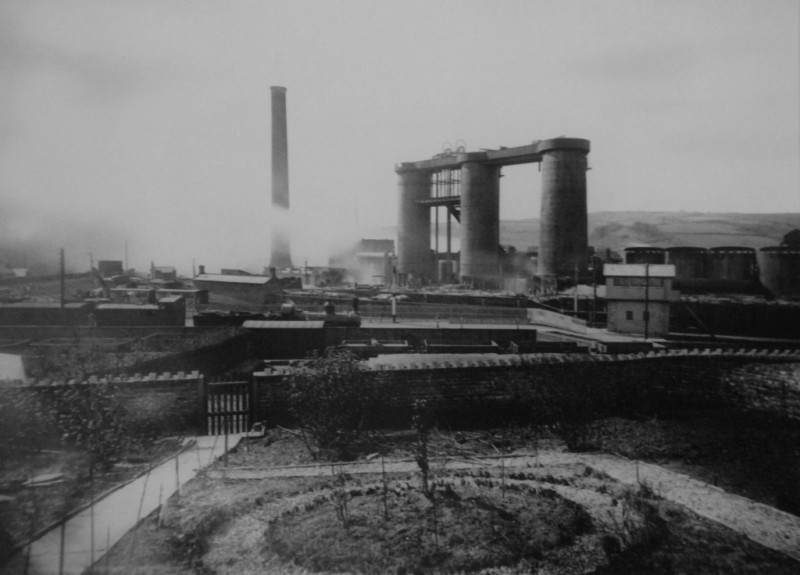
(129, 306)
(265, 324)
(170, 299)
(639, 270)
(44, 305)
(231, 279)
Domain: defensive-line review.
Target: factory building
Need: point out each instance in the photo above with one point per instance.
(224, 288)
(367, 262)
(36, 313)
(163, 273)
(168, 311)
(638, 298)
(110, 268)
(467, 186)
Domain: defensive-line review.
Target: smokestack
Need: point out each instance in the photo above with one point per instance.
(281, 248)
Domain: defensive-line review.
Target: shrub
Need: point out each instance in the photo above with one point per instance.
(570, 405)
(333, 400)
(24, 422)
(90, 417)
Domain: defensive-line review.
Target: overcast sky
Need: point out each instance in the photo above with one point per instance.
(150, 120)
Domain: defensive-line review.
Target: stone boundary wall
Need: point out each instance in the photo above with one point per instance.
(490, 390)
(171, 399)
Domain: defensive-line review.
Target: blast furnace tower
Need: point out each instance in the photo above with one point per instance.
(467, 184)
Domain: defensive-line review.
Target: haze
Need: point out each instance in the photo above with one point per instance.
(149, 121)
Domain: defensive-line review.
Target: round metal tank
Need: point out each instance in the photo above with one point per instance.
(780, 271)
(732, 263)
(691, 267)
(563, 235)
(645, 255)
(689, 262)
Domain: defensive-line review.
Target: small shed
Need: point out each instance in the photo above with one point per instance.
(638, 297)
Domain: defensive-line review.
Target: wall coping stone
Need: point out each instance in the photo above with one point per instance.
(517, 360)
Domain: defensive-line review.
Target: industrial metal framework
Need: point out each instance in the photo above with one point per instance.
(467, 185)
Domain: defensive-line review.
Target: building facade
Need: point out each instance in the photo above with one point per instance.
(638, 297)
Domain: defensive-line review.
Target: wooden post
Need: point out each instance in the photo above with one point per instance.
(646, 300)
(91, 532)
(225, 453)
(177, 477)
(202, 393)
(61, 547)
(251, 418)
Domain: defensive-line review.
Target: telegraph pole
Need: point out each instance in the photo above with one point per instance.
(646, 300)
(62, 273)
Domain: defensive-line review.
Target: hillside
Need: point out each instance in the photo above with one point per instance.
(618, 230)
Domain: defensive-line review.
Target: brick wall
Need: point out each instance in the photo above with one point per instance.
(488, 392)
(491, 391)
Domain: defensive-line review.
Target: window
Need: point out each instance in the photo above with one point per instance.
(629, 315)
(638, 282)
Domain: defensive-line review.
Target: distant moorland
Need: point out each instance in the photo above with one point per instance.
(618, 230)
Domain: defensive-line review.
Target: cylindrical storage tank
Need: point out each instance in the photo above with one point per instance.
(413, 224)
(732, 268)
(645, 255)
(691, 267)
(780, 271)
(480, 223)
(563, 235)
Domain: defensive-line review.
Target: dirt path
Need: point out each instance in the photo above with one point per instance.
(761, 523)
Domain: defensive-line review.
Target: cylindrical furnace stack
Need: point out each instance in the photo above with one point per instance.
(563, 235)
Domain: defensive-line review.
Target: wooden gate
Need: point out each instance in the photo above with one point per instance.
(229, 407)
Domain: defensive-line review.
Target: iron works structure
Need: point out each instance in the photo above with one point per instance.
(467, 184)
